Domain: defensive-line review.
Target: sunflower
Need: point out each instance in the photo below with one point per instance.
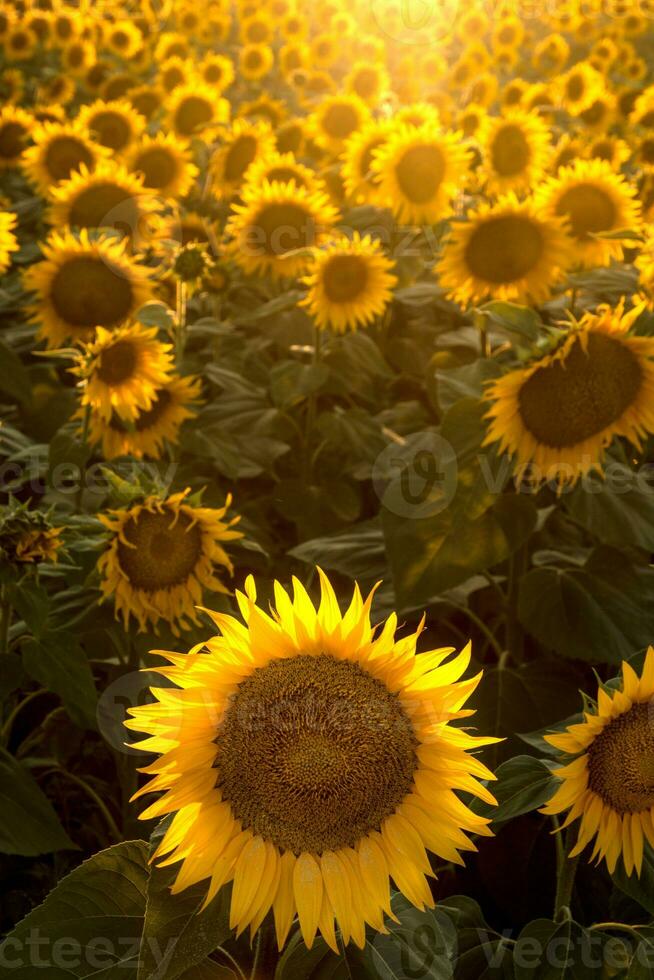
(361, 181)
(275, 225)
(350, 774)
(293, 57)
(255, 61)
(606, 777)
(82, 283)
(350, 283)
(579, 87)
(593, 200)
(121, 371)
(174, 72)
(162, 555)
(507, 251)
(115, 125)
(60, 148)
(642, 114)
(20, 43)
(217, 70)
(551, 54)
(124, 39)
(612, 150)
(77, 57)
(148, 433)
(283, 168)
(194, 107)
(16, 127)
(147, 100)
(515, 149)
(562, 411)
(599, 115)
(110, 197)
(471, 119)
(239, 146)
(336, 119)
(38, 546)
(12, 85)
(165, 163)
(367, 81)
(8, 243)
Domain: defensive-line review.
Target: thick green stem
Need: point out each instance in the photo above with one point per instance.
(566, 870)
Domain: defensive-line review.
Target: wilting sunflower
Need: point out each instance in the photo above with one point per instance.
(276, 225)
(350, 283)
(16, 127)
(194, 107)
(165, 163)
(60, 148)
(606, 781)
(507, 251)
(109, 197)
(82, 283)
(592, 199)
(162, 555)
(361, 181)
(351, 773)
(515, 150)
(420, 171)
(8, 243)
(115, 125)
(238, 147)
(336, 119)
(560, 413)
(122, 370)
(148, 433)
(27, 537)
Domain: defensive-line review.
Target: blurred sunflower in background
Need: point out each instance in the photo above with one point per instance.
(8, 243)
(350, 283)
(60, 149)
(239, 147)
(161, 557)
(313, 811)
(515, 148)
(559, 414)
(606, 777)
(165, 164)
(115, 125)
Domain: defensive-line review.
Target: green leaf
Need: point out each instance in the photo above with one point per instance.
(14, 379)
(520, 321)
(617, 507)
(419, 294)
(467, 381)
(29, 825)
(292, 382)
(175, 926)
(89, 925)
(523, 784)
(357, 552)
(57, 661)
(156, 315)
(32, 603)
(547, 950)
(601, 612)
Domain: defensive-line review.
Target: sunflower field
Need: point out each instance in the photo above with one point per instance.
(327, 489)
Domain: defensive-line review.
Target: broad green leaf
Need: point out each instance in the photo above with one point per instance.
(514, 320)
(156, 315)
(357, 552)
(14, 379)
(599, 613)
(89, 925)
(57, 661)
(523, 784)
(617, 507)
(291, 382)
(467, 381)
(176, 935)
(547, 950)
(29, 825)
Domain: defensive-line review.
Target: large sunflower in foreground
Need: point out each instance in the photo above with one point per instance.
(59, 150)
(350, 774)
(82, 283)
(108, 197)
(276, 225)
(420, 170)
(608, 784)
(507, 251)
(162, 555)
(151, 429)
(8, 243)
(560, 413)
(165, 163)
(516, 148)
(593, 200)
(121, 371)
(350, 283)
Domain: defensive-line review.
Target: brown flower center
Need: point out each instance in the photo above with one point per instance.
(112, 129)
(568, 401)
(621, 761)
(280, 228)
(165, 549)
(314, 753)
(339, 121)
(88, 292)
(239, 157)
(64, 155)
(420, 172)
(344, 278)
(104, 205)
(192, 113)
(158, 166)
(12, 140)
(504, 249)
(588, 208)
(117, 363)
(510, 153)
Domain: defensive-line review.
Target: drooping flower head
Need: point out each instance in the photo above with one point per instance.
(309, 758)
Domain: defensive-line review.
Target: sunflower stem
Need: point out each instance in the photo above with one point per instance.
(180, 332)
(482, 325)
(566, 870)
